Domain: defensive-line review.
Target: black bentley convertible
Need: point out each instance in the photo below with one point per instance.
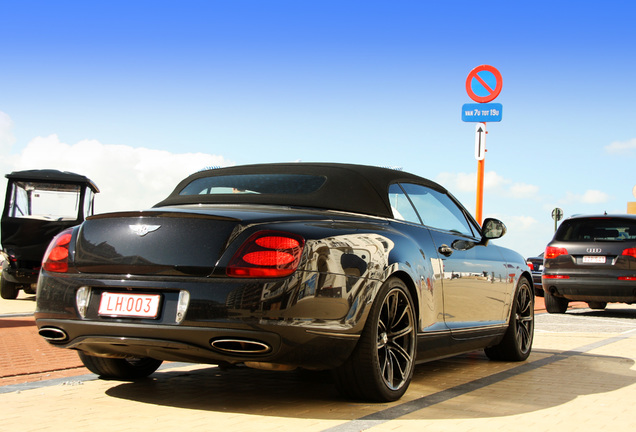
(362, 270)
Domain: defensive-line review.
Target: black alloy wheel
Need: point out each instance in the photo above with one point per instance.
(381, 366)
(517, 342)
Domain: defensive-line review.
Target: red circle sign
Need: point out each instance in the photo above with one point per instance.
(484, 83)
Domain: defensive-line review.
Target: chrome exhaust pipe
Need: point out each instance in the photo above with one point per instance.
(53, 334)
(240, 346)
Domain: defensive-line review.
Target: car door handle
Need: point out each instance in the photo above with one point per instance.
(445, 250)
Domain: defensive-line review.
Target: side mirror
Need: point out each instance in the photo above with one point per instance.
(492, 229)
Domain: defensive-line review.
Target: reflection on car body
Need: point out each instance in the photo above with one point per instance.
(318, 266)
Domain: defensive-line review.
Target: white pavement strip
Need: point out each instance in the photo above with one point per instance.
(395, 412)
(587, 321)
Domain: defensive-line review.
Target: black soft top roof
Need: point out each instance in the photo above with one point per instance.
(50, 175)
(348, 187)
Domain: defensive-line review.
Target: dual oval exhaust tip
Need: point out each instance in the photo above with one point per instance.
(240, 346)
(53, 334)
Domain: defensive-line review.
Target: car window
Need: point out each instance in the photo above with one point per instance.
(255, 184)
(597, 229)
(45, 201)
(437, 210)
(401, 206)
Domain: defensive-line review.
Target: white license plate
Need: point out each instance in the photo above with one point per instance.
(594, 260)
(129, 305)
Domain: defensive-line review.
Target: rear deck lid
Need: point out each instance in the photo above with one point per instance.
(153, 242)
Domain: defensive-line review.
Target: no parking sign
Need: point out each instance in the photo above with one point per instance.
(484, 83)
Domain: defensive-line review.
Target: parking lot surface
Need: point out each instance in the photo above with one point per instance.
(580, 376)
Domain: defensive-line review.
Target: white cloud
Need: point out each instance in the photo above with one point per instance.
(590, 196)
(493, 183)
(524, 191)
(525, 223)
(621, 147)
(459, 182)
(128, 178)
(595, 197)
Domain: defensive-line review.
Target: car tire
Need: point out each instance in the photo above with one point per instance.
(555, 305)
(117, 368)
(8, 290)
(381, 366)
(517, 341)
(597, 305)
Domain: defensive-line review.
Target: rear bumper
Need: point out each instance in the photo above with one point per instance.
(592, 289)
(280, 321)
(295, 347)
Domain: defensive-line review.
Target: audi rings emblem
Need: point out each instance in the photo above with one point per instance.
(594, 250)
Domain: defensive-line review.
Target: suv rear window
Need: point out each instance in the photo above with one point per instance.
(596, 229)
(255, 184)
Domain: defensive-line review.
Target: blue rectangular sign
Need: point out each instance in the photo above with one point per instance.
(482, 112)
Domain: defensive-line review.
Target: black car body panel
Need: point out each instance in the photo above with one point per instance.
(596, 259)
(311, 318)
(536, 268)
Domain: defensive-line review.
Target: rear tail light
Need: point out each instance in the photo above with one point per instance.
(552, 252)
(630, 252)
(555, 277)
(56, 256)
(267, 254)
(530, 265)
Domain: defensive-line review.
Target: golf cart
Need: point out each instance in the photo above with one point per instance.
(39, 204)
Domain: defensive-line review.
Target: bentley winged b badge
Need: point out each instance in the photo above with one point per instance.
(142, 230)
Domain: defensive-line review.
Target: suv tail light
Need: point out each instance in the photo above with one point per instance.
(552, 252)
(56, 256)
(630, 252)
(267, 254)
(530, 265)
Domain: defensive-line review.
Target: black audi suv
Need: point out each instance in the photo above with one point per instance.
(591, 259)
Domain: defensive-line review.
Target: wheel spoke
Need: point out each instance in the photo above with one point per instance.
(400, 333)
(387, 368)
(397, 371)
(395, 343)
(401, 351)
(392, 309)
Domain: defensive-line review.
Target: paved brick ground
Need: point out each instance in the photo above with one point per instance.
(24, 355)
(24, 352)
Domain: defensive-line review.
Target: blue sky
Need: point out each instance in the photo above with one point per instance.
(151, 90)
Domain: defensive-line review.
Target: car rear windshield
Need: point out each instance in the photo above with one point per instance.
(279, 184)
(43, 200)
(597, 229)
